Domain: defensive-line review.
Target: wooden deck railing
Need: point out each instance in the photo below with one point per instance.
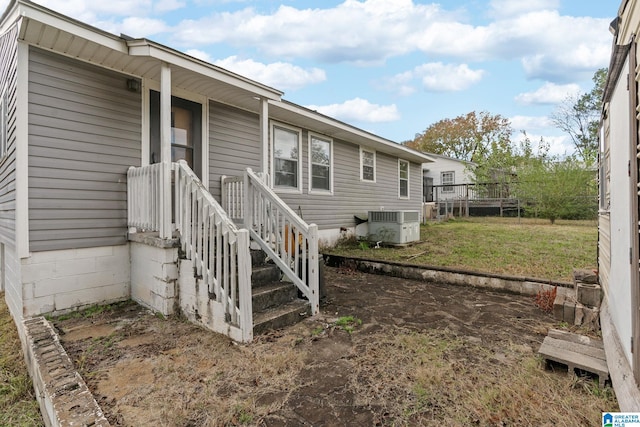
(473, 191)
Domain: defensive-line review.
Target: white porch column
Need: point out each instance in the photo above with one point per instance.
(165, 151)
(264, 133)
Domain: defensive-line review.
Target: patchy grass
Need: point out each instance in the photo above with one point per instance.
(521, 247)
(89, 312)
(418, 378)
(348, 323)
(18, 406)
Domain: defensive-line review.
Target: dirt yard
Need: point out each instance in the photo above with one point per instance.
(383, 351)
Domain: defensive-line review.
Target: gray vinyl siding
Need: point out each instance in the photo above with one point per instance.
(234, 144)
(351, 196)
(8, 79)
(10, 262)
(84, 133)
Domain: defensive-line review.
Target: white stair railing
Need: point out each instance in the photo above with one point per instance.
(144, 188)
(218, 249)
(233, 196)
(220, 252)
(290, 242)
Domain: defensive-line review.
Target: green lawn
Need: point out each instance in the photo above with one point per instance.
(522, 247)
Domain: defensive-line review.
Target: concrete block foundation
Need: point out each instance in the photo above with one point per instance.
(154, 272)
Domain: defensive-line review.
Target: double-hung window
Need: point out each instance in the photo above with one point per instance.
(447, 179)
(286, 157)
(403, 179)
(367, 165)
(320, 159)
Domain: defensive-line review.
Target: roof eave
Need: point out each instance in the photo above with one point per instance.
(361, 136)
(144, 47)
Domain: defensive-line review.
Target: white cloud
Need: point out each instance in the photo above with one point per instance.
(163, 6)
(549, 45)
(359, 110)
(278, 74)
(353, 31)
(200, 54)
(439, 77)
(88, 11)
(401, 84)
(549, 93)
(505, 8)
(527, 123)
(434, 77)
(558, 145)
(142, 27)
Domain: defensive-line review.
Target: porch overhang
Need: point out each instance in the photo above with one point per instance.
(140, 58)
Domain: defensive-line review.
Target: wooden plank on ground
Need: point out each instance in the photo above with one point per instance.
(578, 339)
(586, 350)
(569, 354)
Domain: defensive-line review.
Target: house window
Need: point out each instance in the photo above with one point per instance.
(367, 165)
(321, 163)
(286, 157)
(403, 179)
(4, 143)
(447, 179)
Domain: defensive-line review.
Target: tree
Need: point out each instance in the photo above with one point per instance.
(557, 188)
(472, 137)
(579, 117)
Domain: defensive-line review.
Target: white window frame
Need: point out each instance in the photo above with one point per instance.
(400, 179)
(298, 131)
(450, 185)
(328, 140)
(362, 150)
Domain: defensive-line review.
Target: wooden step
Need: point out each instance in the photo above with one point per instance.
(280, 317)
(576, 352)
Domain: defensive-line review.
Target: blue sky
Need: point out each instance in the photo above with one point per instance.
(392, 67)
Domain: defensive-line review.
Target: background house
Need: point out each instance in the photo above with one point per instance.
(618, 226)
(442, 177)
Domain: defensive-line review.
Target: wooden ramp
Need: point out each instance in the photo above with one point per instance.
(577, 352)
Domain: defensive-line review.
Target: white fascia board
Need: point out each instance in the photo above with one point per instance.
(143, 47)
(363, 137)
(64, 23)
(9, 17)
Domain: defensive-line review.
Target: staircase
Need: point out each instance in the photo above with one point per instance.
(275, 302)
(222, 284)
